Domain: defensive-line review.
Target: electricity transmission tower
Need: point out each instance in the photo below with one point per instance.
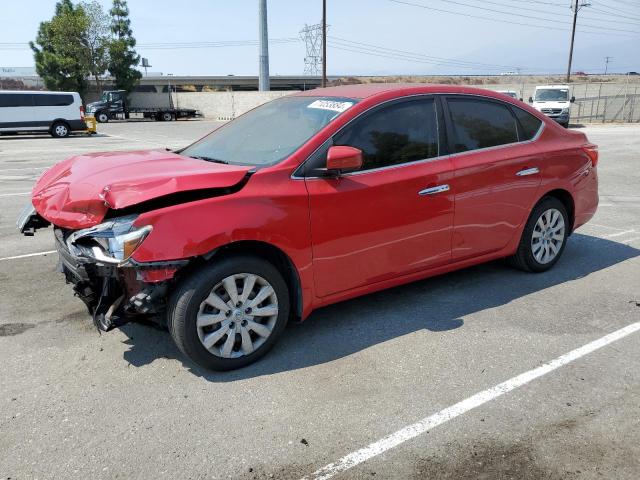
(312, 37)
(575, 7)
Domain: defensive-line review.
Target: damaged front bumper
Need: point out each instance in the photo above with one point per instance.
(97, 262)
(114, 291)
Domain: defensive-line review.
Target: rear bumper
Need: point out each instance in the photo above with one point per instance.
(586, 198)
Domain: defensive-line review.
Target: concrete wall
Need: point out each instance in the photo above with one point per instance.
(214, 105)
(595, 102)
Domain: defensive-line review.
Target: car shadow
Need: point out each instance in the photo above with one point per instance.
(437, 304)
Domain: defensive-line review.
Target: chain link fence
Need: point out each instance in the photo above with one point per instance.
(604, 103)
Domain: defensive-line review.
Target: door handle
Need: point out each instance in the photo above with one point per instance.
(528, 171)
(434, 190)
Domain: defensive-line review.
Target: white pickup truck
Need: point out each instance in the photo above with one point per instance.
(554, 101)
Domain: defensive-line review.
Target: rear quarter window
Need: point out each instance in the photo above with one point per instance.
(528, 123)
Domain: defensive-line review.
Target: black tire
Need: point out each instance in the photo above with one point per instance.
(192, 290)
(102, 117)
(60, 130)
(167, 116)
(524, 258)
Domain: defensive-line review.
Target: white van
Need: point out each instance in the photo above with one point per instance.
(554, 101)
(58, 113)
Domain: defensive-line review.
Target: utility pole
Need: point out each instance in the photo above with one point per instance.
(263, 79)
(577, 6)
(324, 43)
(607, 60)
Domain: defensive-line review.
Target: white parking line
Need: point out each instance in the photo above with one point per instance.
(591, 224)
(619, 234)
(449, 413)
(14, 194)
(28, 255)
(20, 169)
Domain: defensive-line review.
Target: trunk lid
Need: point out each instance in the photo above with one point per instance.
(78, 192)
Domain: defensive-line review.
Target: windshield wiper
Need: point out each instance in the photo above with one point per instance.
(209, 159)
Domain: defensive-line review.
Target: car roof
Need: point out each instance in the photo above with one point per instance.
(362, 91)
(38, 92)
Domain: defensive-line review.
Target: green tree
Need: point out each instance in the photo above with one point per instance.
(59, 51)
(123, 57)
(97, 40)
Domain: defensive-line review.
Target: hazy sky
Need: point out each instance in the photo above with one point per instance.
(411, 33)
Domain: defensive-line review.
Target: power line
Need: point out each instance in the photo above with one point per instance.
(615, 12)
(434, 59)
(544, 19)
(511, 22)
(178, 45)
(564, 7)
(396, 56)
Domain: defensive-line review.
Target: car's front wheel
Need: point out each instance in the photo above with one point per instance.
(544, 237)
(230, 313)
(102, 117)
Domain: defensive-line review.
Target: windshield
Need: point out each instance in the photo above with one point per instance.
(552, 95)
(105, 97)
(270, 132)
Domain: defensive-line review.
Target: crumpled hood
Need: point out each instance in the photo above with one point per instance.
(78, 192)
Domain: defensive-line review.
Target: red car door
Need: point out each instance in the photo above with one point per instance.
(497, 170)
(392, 217)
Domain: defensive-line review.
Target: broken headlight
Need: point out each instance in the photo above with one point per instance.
(113, 241)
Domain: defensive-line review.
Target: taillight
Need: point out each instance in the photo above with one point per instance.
(81, 112)
(592, 151)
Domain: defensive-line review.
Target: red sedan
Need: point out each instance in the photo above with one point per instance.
(312, 199)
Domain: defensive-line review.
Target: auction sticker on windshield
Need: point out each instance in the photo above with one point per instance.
(330, 105)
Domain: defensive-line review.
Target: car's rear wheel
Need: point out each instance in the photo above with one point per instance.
(60, 130)
(544, 237)
(167, 117)
(229, 314)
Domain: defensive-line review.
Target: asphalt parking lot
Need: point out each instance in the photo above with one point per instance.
(126, 404)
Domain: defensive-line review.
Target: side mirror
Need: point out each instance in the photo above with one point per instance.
(573, 99)
(530, 99)
(520, 99)
(341, 158)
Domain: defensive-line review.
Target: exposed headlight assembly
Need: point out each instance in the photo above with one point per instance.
(565, 110)
(113, 241)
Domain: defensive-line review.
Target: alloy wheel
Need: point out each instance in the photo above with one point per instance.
(238, 315)
(548, 236)
(61, 131)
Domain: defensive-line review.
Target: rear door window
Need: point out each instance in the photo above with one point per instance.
(16, 100)
(402, 132)
(478, 123)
